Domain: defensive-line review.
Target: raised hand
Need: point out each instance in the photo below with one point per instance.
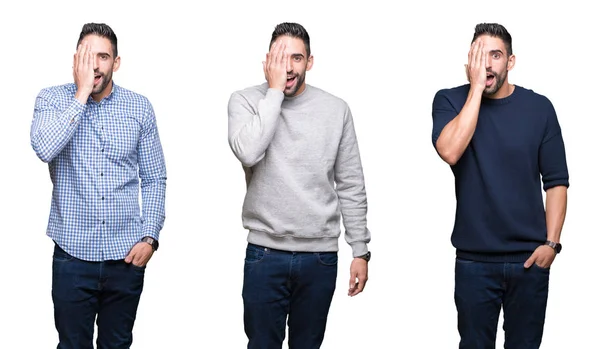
(275, 66)
(476, 68)
(83, 71)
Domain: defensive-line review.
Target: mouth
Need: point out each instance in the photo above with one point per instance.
(97, 79)
(490, 79)
(291, 80)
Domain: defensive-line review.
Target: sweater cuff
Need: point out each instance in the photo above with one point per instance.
(359, 248)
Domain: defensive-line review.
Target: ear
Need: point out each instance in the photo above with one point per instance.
(116, 64)
(309, 63)
(511, 62)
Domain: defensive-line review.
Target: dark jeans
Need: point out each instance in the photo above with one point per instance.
(82, 291)
(481, 289)
(278, 284)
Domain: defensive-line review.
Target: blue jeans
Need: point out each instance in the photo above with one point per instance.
(82, 291)
(298, 286)
(481, 289)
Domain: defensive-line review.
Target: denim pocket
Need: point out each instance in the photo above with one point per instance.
(60, 255)
(327, 258)
(254, 254)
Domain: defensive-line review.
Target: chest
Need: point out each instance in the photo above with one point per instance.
(107, 131)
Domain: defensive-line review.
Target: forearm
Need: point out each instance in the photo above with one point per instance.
(556, 210)
(52, 130)
(251, 133)
(457, 134)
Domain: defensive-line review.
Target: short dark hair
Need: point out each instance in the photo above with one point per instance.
(294, 30)
(102, 30)
(494, 30)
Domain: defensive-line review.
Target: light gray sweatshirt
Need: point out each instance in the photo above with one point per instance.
(303, 169)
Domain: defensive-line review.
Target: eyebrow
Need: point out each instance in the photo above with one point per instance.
(496, 51)
(294, 55)
(103, 53)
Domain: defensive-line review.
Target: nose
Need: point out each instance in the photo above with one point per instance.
(96, 60)
(288, 66)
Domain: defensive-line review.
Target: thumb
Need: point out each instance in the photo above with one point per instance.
(529, 261)
(129, 258)
(352, 283)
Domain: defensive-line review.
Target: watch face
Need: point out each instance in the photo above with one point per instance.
(558, 248)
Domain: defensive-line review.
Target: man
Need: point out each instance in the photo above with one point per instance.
(95, 137)
(298, 147)
(498, 139)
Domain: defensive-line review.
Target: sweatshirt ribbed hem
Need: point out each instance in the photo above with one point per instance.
(513, 257)
(293, 244)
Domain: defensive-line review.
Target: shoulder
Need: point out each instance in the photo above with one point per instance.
(64, 91)
(131, 98)
(529, 96)
(250, 94)
(454, 93)
(326, 98)
(451, 98)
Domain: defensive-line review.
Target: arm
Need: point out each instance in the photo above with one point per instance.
(153, 176)
(457, 134)
(350, 187)
(453, 133)
(556, 210)
(53, 128)
(555, 178)
(250, 132)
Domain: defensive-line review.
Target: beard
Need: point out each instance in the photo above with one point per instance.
(498, 82)
(106, 79)
(299, 82)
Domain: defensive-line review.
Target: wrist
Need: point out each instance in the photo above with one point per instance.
(151, 241)
(82, 95)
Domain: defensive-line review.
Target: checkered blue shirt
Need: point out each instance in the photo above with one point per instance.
(99, 155)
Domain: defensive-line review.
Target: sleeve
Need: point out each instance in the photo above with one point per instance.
(153, 176)
(350, 186)
(52, 127)
(552, 157)
(250, 131)
(442, 112)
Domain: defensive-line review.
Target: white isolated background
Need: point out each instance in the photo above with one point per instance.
(387, 60)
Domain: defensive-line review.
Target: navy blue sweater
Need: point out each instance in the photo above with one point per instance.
(517, 146)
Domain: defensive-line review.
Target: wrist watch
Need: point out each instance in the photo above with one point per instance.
(153, 242)
(366, 256)
(555, 245)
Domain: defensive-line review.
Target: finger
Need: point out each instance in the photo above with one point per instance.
(362, 282)
(284, 55)
(129, 257)
(90, 59)
(278, 56)
(484, 56)
(471, 54)
(529, 261)
(477, 58)
(82, 55)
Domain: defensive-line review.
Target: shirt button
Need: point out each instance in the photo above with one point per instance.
(101, 173)
(103, 198)
(102, 150)
(102, 222)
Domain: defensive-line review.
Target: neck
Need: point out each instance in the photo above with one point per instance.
(99, 96)
(504, 91)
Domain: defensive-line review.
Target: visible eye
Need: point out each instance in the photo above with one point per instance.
(104, 57)
(496, 56)
(297, 59)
